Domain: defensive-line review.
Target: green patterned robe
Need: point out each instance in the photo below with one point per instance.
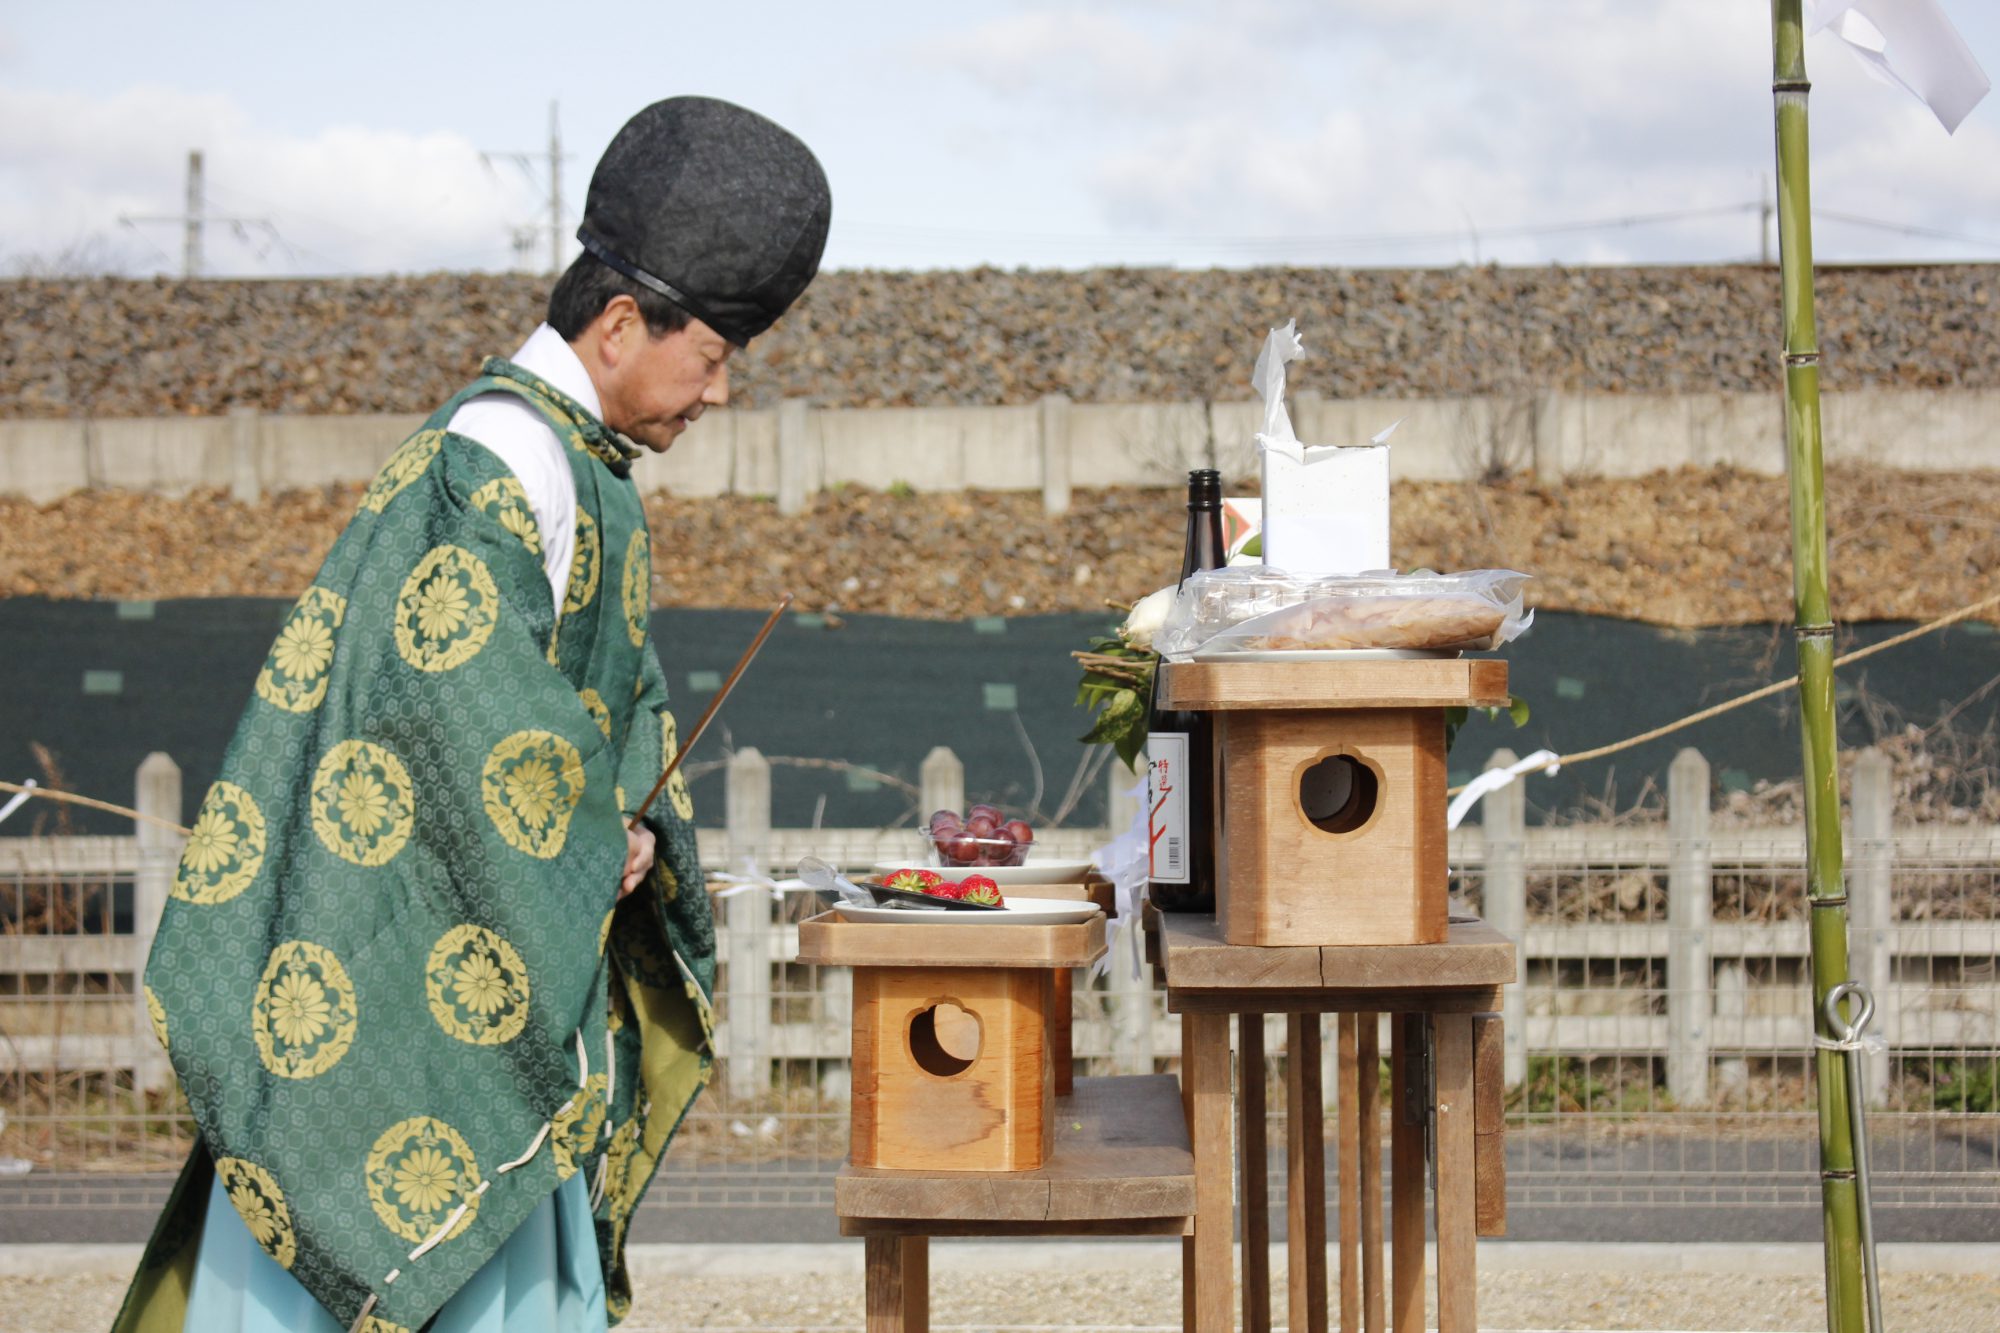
(393, 976)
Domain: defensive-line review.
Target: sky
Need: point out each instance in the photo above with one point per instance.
(370, 138)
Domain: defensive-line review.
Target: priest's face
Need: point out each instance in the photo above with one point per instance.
(653, 388)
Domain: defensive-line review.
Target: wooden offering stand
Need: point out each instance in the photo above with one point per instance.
(1332, 793)
(1444, 1104)
(966, 1121)
(1332, 897)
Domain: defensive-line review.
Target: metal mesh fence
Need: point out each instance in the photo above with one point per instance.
(1659, 1039)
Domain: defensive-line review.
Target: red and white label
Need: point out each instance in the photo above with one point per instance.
(1167, 805)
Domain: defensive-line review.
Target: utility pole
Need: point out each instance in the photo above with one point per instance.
(555, 194)
(530, 165)
(191, 244)
(196, 217)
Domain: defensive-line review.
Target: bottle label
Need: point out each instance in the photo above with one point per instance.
(1167, 804)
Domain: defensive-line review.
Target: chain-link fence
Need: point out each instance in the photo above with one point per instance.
(1658, 1041)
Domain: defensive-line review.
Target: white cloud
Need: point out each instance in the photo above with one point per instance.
(1288, 118)
(346, 198)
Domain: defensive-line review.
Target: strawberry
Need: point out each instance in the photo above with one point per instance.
(945, 888)
(931, 878)
(981, 889)
(910, 880)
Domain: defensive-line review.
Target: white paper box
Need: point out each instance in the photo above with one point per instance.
(1326, 511)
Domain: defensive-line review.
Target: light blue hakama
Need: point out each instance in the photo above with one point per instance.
(545, 1279)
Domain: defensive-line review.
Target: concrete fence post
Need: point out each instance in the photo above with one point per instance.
(1690, 908)
(1504, 817)
(796, 479)
(158, 793)
(1872, 904)
(1055, 453)
(246, 481)
(746, 1015)
(941, 779)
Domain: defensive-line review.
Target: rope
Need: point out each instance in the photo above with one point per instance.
(1776, 687)
(71, 798)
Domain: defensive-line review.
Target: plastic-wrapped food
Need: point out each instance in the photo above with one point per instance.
(1257, 609)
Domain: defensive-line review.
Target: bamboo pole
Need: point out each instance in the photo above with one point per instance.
(1813, 634)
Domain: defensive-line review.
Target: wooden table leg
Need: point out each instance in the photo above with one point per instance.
(1406, 1174)
(1368, 1081)
(1062, 984)
(1305, 1158)
(1457, 1215)
(1347, 1102)
(1255, 1201)
(898, 1283)
(1210, 1279)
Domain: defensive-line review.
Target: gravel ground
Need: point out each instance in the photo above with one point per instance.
(1146, 1295)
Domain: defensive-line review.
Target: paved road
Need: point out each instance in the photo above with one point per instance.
(1612, 1185)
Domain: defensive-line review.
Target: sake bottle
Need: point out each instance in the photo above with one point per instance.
(1180, 762)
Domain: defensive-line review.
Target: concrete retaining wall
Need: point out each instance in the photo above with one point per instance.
(794, 450)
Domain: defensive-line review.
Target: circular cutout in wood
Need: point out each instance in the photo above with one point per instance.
(944, 1039)
(1338, 794)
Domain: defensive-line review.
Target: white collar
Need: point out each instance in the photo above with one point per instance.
(548, 355)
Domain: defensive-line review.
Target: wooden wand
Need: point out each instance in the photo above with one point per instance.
(770, 624)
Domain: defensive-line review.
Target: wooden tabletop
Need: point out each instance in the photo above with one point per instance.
(1121, 1164)
(1202, 972)
(1365, 683)
(827, 941)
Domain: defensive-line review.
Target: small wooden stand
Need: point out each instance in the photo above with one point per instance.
(1332, 799)
(1117, 1160)
(1444, 1096)
(955, 1029)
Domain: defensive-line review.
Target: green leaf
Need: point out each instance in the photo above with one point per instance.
(1125, 709)
(1131, 746)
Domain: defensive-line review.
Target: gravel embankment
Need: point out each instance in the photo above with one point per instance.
(1686, 549)
(117, 347)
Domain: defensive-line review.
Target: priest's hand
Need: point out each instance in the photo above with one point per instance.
(638, 858)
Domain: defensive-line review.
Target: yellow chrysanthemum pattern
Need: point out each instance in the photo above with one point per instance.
(599, 711)
(305, 1012)
(530, 784)
(477, 986)
(296, 669)
(156, 1014)
(419, 1170)
(574, 1134)
(225, 849)
(374, 1325)
(677, 785)
(586, 566)
(505, 501)
(256, 1197)
(404, 466)
(363, 806)
(447, 610)
(637, 587)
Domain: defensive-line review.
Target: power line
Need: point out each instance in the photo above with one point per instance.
(1299, 240)
(1907, 229)
(196, 218)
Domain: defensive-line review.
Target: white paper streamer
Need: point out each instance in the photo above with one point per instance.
(20, 799)
(1912, 45)
(1493, 779)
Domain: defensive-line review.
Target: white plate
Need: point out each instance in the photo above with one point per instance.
(1034, 872)
(1329, 655)
(1029, 911)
